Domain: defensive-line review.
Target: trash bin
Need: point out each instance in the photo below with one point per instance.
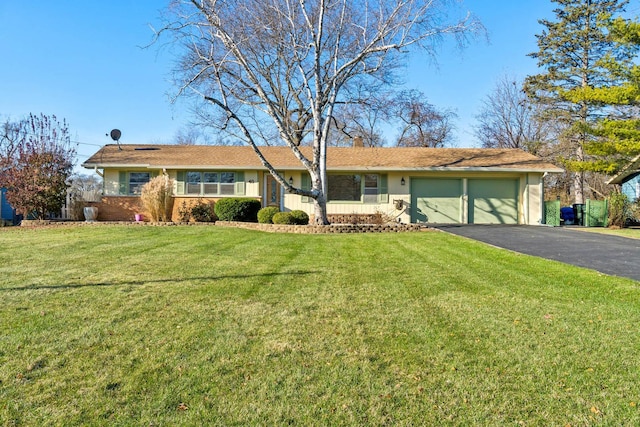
(566, 214)
(578, 213)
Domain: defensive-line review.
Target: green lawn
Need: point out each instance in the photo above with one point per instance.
(633, 233)
(164, 326)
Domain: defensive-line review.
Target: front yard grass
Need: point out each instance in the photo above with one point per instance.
(117, 325)
(633, 233)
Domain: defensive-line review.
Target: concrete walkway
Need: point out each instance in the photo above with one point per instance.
(613, 255)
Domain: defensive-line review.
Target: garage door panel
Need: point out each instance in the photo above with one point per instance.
(436, 200)
(493, 201)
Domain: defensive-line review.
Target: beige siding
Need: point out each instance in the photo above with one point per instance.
(395, 189)
(536, 199)
(529, 196)
(111, 183)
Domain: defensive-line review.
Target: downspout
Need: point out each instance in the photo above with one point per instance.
(100, 174)
(464, 211)
(542, 197)
(526, 201)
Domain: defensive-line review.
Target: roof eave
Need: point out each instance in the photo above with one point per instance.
(329, 168)
(88, 165)
(458, 169)
(631, 168)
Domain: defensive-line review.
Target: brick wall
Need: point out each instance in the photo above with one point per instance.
(355, 218)
(121, 208)
(325, 229)
(180, 203)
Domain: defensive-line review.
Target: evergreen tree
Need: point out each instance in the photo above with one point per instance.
(576, 51)
(618, 135)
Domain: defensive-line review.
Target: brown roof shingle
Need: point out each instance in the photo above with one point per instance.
(338, 158)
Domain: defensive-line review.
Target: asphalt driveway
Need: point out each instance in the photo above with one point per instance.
(613, 255)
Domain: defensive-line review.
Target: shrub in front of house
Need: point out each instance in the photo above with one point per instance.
(184, 212)
(299, 217)
(265, 215)
(237, 209)
(202, 212)
(283, 218)
(156, 198)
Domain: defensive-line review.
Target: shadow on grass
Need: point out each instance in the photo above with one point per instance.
(143, 282)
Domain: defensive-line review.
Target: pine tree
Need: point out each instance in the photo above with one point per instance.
(618, 135)
(576, 52)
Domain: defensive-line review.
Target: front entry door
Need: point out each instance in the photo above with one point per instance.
(274, 193)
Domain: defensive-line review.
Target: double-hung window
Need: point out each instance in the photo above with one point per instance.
(371, 188)
(227, 183)
(199, 183)
(131, 183)
(193, 183)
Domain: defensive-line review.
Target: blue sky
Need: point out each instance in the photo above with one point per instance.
(84, 61)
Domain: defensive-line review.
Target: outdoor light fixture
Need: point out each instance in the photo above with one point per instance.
(402, 181)
(290, 180)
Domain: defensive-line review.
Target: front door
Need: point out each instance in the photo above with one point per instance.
(273, 192)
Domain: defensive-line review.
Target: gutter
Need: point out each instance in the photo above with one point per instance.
(329, 168)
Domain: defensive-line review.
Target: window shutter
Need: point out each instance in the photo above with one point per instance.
(383, 191)
(305, 184)
(180, 182)
(122, 183)
(240, 187)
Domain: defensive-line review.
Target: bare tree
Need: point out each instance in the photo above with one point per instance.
(192, 135)
(421, 124)
(187, 136)
(86, 187)
(509, 119)
(281, 66)
(361, 119)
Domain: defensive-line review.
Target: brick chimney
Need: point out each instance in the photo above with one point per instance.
(358, 142)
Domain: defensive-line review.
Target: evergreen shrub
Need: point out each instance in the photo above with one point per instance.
(283, 218)
(202, 211)
(265, 215)
(237, 209)
(300, 217)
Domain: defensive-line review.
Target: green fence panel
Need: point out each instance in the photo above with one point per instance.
(596, 213)
(552, 212)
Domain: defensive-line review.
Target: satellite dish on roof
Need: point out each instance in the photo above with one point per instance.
(115, 135)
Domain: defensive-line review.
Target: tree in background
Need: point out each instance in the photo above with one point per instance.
(574, 51)
(83, 188)
(273, 68)
(617, 136)
(36, 159)
(362, 119)
(508, 119)
(421, 124)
